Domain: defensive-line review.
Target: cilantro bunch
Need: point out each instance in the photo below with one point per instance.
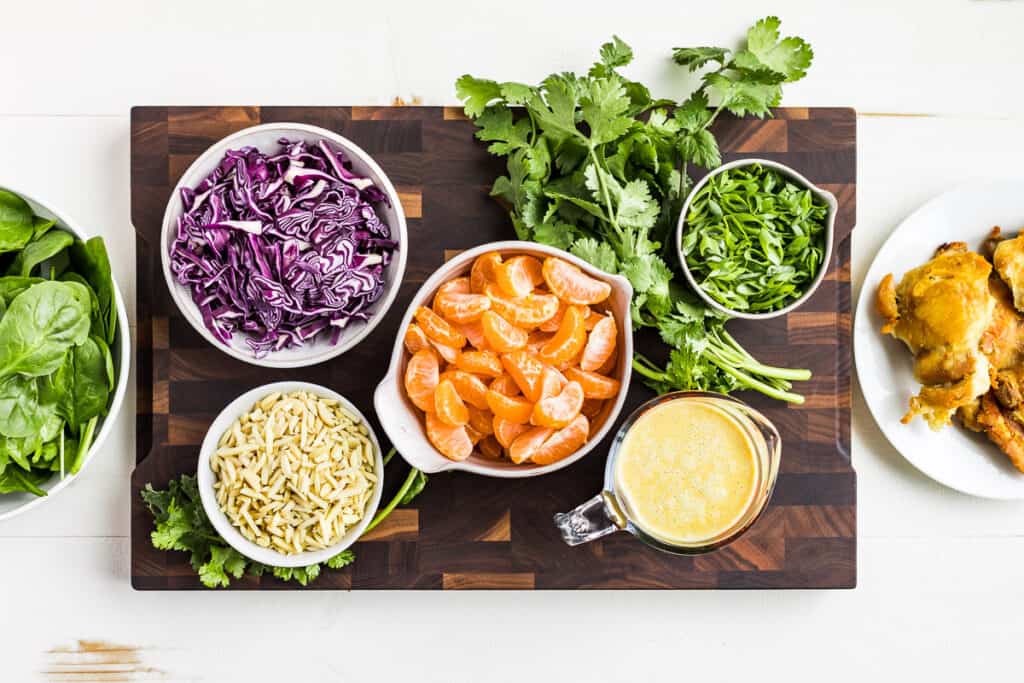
(180, 523)
(599, 167)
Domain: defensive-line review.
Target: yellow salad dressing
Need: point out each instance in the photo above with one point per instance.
(687, 470)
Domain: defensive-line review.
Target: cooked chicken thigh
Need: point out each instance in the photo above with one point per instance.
(941, 311)
(1008, 258)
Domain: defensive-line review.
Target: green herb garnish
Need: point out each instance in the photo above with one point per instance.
(599, 167)
(180, 523)
(754, 240)
(59, 318)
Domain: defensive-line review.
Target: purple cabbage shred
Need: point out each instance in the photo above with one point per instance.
(283, 248)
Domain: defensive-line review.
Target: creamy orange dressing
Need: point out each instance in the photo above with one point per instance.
(687, 470)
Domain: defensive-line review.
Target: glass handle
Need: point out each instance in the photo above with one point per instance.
(596, 518)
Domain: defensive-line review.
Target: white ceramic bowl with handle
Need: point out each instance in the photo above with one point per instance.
(403, 422)
(265, 138)
(205, 478)
(798, 179)
(12, 504)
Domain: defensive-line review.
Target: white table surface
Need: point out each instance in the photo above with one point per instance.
(938, 89)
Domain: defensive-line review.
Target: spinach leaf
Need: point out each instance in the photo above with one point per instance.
(91, 261)
(16, 221)
(20, 415)
(79, 388)
(34, 253)
(13, 480)
(39, 327)
(41, 225)
(12, 285)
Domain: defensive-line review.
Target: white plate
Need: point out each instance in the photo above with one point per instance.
(960, 459)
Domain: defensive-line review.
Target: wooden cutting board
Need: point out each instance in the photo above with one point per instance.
(469, 531)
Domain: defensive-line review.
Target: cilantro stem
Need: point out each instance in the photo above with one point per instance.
(749, 382)
(406, 485)
(640, 364)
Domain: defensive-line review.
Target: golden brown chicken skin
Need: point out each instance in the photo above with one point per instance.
(941, 311)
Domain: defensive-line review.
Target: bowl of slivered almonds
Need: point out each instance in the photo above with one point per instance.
(290, 474)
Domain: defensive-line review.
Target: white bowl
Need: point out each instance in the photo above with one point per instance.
(12, 504)
(220, 521)
(265, 138)
(830, 231)
(403, 422)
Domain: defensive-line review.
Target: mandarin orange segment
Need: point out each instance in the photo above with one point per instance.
(475, 436)
(458, 285)
(482, 271)
(421, 378)
(572, 285)
(529, 311)
(509, 407)
(474, 334)
(558, 410)
(479, 363)
(453, 442)
(471, 388)
(448, 404)
(563, 443)
(592, 319)
(506, 431)
(415, 339)
(527, 371)
(490, 448)
(527, 443)
(551, 383)
(570, 339)
(594, 385)
(536, 341)
(591, 407)
(519, 275)
(501, 335)
(554, 322)
(608, 367)
(439, 329)
(461, 308)
(600, 344)
(447, 353)
(504, 384)
(481, 420)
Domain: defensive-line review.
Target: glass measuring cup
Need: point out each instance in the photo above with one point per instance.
(609, 511)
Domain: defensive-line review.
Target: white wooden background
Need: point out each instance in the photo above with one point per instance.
(939, 89)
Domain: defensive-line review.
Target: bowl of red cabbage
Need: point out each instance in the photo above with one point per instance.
(284, 245)
(64, 351)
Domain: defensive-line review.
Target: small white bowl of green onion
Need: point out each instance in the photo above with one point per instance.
(755, 238)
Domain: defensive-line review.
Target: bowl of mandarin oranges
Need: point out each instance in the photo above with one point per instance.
(513, 360)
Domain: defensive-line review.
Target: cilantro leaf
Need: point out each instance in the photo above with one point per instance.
(599, 254)
(496, 125)
(616, 53)
(342, 559)
(604, 108)
(700, 147)
(696, 57)
(476, 93)
(555, 111)
(554, 234)
(789, 56)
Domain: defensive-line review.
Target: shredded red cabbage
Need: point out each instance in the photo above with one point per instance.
(282, 247)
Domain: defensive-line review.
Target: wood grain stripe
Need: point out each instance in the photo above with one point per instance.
(402, 524)
(501, 530)
(412, 201)
(488, 581)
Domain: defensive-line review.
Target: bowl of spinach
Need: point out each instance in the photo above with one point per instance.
(64, 350)
(755, 238)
